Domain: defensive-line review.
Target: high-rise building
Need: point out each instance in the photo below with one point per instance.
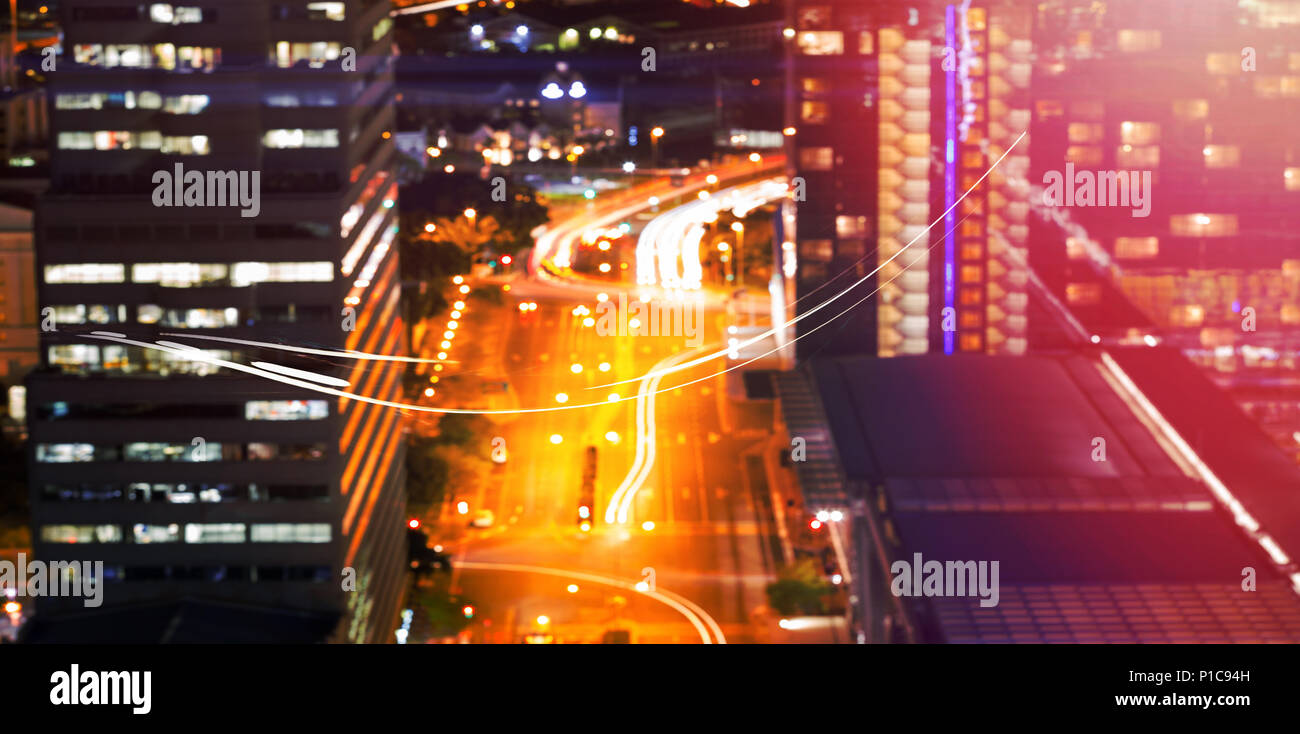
(832, 127)
(189, 477)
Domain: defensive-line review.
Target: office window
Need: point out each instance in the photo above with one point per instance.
(286, 410)
(817, 159)
(185, 104)
(816, 250)
(813, 85)
(214, 532)
(179, 275)
(65, 453)
(972, 273)
(821, 43)
(144, 533)
(814, 112)
(1191, 109)
(1085, 132)
(247, 273)
(1137, 248)
(1138, 41)
(1139, 133)
(154, 451)
(174, 14)
(81, 534)
(1221, 156)
(289, 532)
(315, 53)
(851, 226)
(298, 138)
(1203, 225)
(85, 273)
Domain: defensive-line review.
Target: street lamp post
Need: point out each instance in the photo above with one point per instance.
(739, 229)
(655, 134)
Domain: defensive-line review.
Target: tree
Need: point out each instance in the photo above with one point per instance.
(799, 589)
(468, 235)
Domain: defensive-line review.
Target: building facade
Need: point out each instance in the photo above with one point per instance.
(187, 469)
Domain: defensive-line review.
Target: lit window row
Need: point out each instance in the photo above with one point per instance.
(175, 104)
(188, 318)
(134, 140)
(189, 275)
(299, 138)
(316, 53)
(301, 98)
(208, 532)
(125, 360)
(185, 493)
(155, 451)
(166, 56)
(286, 410)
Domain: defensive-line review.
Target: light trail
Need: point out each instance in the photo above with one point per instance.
(827, 302)
(620, 502)
(699, 619)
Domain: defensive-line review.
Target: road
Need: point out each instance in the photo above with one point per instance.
(709, 548)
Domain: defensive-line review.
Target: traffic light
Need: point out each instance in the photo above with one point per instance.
(468, 611)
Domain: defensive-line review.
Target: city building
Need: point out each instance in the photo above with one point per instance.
(194, 481)
(1211, 265)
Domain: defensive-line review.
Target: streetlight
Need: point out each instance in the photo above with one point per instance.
(470, 213)
(739, 229)
(655, 134)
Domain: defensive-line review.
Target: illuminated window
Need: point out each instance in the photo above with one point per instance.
(81, 534)
(154, 451)
(1083, 294)
(1203, 225)
(971, 297)
(85, 273)
(1139, 133)
(851, 226)
(972, 251)
(299, 138)
(214, 532)
(248, 273)
(814, 112)
(326, 11)
(814, 85)
(179, 275)
(866, 43)
(1221, 156)
(291, 532)
(315, 53)
(821, 43)
(1191, 109)
(176, 15)
(1138, 41)
(286, 410)
(1085, 132)
(1274, 87)
(185, 104)
(1226, 64)
(1291, 178)
(144, 533)
(1137, 248)
(816, 250)
(64, 453)
(816, 159)
(1048, 109)
(972, 273)
(970, 342)
(971, 320)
